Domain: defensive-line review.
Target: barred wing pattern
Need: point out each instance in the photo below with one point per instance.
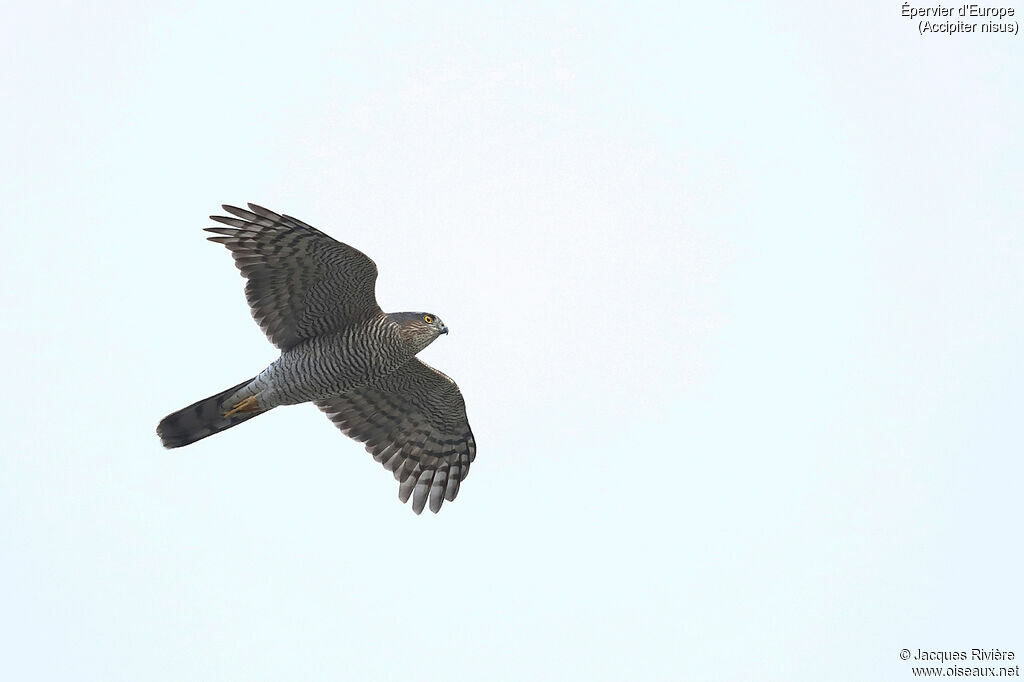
(414, 423)
(301, 282)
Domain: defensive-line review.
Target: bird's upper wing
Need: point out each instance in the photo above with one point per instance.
(302, 283)
(414, 423)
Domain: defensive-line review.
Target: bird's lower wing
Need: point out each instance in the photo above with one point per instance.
(414, 423)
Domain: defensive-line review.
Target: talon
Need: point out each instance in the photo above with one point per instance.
(250, 404)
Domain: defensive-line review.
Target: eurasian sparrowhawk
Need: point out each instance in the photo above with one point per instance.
(314, 298)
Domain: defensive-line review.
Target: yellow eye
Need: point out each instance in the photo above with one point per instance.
(428, 319)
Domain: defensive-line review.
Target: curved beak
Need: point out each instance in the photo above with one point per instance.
(444, 329)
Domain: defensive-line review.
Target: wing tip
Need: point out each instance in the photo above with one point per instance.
(263, 212)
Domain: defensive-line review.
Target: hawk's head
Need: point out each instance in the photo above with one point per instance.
(419, 329)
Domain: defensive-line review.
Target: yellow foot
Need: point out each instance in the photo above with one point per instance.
(250, 404)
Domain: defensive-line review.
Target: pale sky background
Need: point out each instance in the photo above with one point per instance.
(736, 307)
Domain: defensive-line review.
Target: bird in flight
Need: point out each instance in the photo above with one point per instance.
(314, 298)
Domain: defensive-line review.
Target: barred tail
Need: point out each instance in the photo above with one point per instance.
(201, 419)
